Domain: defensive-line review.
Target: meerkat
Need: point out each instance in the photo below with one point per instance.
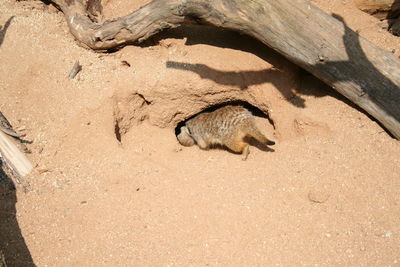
(227, 126)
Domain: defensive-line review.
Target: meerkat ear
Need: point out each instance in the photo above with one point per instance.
(185, 130)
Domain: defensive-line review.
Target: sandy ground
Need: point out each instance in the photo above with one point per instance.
(328, 195)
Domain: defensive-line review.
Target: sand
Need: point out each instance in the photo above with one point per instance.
(329, 193)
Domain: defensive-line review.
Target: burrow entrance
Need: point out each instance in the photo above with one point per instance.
(263, 122)
(254, 110)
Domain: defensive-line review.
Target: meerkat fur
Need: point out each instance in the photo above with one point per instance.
(226, 126)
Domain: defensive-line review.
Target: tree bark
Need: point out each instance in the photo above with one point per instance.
(320, 43)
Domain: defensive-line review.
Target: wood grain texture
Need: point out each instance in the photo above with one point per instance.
(17, 161)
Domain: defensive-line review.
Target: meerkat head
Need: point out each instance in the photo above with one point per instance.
(184, 137)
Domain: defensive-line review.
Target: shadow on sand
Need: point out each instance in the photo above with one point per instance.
(12, 243)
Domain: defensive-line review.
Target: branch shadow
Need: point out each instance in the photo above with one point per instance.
(241, 79)
(4, 28)
(200, 34)
(12, 243)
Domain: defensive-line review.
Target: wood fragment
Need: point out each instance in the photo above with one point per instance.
(13, 157)
(125, 63)
(41, 171)
(6, 127)
(75, 69)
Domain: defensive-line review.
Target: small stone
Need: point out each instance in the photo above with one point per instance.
(83, 202)
(318, 196)
(388, 234)
(177, 148)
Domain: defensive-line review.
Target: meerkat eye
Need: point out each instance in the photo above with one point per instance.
(186, 130)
